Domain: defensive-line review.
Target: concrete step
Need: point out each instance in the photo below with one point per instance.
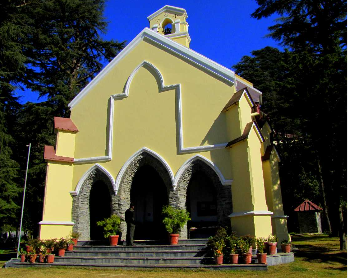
(143, 242)
(135, 253)
(258, 267)
(192, 247)
(133, 260)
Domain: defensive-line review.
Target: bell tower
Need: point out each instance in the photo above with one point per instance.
(171, 22)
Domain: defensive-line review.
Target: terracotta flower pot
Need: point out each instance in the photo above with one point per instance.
(61, 252)
(262, 258)
(234, 258)
(286, 248)
(74, 240)
(113, 240)
(70, 247)
(22, 258)
(246, 258)
(219, 259)
(50, 258)
(174, 239)
(272, 248)
(32, 258)
(41, 258)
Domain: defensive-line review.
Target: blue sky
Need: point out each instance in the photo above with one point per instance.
(221, 30)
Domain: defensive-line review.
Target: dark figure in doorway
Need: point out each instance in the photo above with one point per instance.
(130, 225)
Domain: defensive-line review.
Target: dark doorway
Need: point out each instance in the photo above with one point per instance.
(202, 206)
(100, 208)
(149, 195)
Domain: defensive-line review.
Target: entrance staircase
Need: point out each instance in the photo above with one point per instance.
(189, 253)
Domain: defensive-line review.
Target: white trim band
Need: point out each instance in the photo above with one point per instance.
(65, 223)
(251, 213)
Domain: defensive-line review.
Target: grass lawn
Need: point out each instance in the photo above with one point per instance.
(317, 256)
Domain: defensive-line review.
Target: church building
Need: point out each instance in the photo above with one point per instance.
(163, 125)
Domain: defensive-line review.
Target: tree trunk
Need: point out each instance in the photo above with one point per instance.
(322, 187)
(342, 229)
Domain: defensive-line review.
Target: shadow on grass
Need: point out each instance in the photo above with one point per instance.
(314, 250)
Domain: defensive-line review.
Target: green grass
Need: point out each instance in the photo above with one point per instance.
(317, 256)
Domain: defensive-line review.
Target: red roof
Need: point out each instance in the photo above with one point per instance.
(308, 206)
(65, 124)
(50, 154)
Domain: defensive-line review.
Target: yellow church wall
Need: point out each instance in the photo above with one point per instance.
(234, 128)
(268, 184)
(55, 231)
(258, 226)
(242, 197)
(65, 144)
(182, 40)
(245, 112)
(263, 226)
(58, 185)
(258, 188)
(203, 122)
(243, 225)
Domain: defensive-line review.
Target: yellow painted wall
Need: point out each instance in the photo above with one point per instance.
(185, 41)
(65, 144)
(268, 184)
(147, 118)
(263, 226)
(243, 225)
(234, 129)
(58, 186)
(258, 188)
(245, 112)
(54, 231)
(242, 196)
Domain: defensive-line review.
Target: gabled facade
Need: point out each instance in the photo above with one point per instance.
(162, 124)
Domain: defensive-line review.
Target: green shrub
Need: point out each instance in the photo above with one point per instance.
(111, 225)
(174, 219)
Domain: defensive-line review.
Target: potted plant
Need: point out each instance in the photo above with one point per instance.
(286, 246)
(218, 255)
(174, 220)
(42, 256)
(233, 243)
(111, 227)
(49, 244)
(23, 255)
(272, 245)
(250, 240)
(261, 255)
(60, 246)
(32, 256)
(244, 246)
(75, 236)
(71, 244)
(50, 258)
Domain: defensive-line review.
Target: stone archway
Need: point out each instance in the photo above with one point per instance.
(81, 202)
(144, 158)
(223, 192)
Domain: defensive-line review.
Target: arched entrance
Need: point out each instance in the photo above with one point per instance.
(95, 201)
(201, 200)
(149, 195)
(146, 181)
(205, 197)
(100, 208)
